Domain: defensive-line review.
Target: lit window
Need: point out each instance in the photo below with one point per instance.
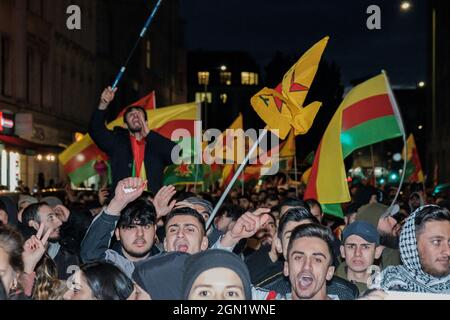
(250, 78)
(223, 98)
(203, 78)
(148, 55)
(202, 96)
(225, 78)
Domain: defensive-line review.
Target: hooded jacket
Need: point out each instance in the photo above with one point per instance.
(210, 259)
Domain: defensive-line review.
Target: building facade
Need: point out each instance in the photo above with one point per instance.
(439, 66)
(51, 77)
(224, 82)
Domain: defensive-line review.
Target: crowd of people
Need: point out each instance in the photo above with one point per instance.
(267, 244)
(141, 240)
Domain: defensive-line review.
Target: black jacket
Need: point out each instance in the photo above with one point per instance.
(97, 242)
(261, 266)
(117, 145)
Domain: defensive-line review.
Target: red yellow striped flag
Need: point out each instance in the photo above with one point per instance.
(79, 158)
(369, 114)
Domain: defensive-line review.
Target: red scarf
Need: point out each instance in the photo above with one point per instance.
(138, 148)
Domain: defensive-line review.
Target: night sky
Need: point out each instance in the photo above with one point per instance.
(262, 27)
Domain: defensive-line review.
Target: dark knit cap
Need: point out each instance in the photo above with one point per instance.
(210, 259)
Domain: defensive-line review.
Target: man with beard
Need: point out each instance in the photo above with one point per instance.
(415, 201)
(309, 263)
(263, 238)
(132, 221)
(136, 152)
(425, 252)
(388, 228)
(40, 213)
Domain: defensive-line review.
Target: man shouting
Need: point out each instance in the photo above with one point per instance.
(135, 151)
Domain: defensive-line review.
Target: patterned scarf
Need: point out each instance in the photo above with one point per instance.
(410, 276)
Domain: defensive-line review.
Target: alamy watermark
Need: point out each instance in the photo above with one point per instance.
(374, 20)
(73, 21)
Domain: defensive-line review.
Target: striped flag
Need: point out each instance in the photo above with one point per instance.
(414, 171)
(369, 114)
(79, 158)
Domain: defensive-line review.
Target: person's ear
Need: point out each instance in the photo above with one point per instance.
(33, 224)
(278, 245)
(342, 251)
(378, 252)
(117, 234)
(286, 269)
(204, 244)
(330, 273)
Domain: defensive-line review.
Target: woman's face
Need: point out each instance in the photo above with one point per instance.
(7, 273)
(78, 288)
(217, 284)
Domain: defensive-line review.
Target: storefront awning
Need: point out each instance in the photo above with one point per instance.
(27, 147)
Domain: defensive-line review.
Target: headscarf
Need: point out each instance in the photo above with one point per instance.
(210, 259)
(410, 276)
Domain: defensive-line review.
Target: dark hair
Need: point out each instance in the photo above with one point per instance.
(12, 242)
(31, 213)
(295, 214)
(428, 214)
(272, 216)
(352, 208)
(3, 206)
(293, 202)
(313, 203)
(244, 196)
(3, 294)
(182, 195)
(272, 197)
(131, 109)
(139, 212)
(230, 210)
(106, 281)
(187, 212)
(147, 194)
(444, 204)
(276, 208)
(313, 231)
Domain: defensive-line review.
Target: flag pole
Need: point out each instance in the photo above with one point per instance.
(402, 129)
(235, 177)
(373, 166)
(141, 36)
(242, 182)
(296, 175)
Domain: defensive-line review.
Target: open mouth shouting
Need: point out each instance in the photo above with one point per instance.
(305, 281)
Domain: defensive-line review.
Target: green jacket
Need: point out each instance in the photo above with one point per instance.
(342, 272)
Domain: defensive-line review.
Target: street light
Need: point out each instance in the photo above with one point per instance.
(421, 84)
(405, 5)
(223, 68)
